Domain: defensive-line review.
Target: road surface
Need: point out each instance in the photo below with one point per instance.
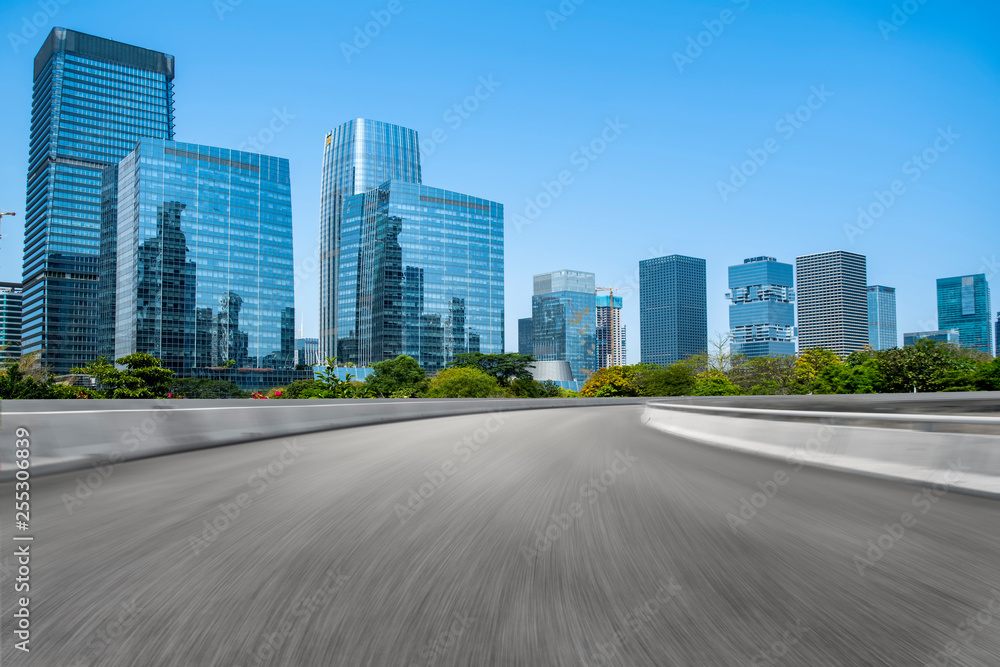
(555, 537)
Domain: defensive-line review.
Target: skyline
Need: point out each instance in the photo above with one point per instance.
(529, 125)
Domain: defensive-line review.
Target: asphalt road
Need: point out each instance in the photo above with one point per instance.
(315, 557)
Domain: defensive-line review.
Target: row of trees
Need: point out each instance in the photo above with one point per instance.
(928, 366)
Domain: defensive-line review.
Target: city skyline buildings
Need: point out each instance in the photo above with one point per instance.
(673, 309)
(882, 333)
(832, 312)
(762, 308)
(564, 320)
(611, 348)
(10, 321)
(92, 99)
(963, 303)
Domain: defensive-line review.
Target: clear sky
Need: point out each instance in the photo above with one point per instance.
(681, 116)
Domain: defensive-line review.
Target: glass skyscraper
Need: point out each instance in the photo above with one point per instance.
(92, 100)
(963, 303)
(525, 336)
(204, 259)
(610, 332)
(673, 309)
(951, 337)
(358, 156)
(10, 321)
(564, 320)
(882, 317)
(420, 273)
(831, 291)
(762, 310)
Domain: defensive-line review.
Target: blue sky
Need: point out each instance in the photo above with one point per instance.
(886, 93)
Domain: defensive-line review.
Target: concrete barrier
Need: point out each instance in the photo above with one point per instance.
(68, 435)
(958, 451)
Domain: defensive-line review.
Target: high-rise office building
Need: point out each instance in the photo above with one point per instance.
(964, 303)
(673, 309)
(564, 319)
(882, 317)
(951, 337)
(92, 100)
(610, 332)
(10, 321)
(307, 352)
(996, 336)
(762, 308)
(525, 334)
(358, 156)
(420, 273)
(832, 301)
(204, 259)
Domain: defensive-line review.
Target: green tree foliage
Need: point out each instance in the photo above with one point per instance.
(299, 389)
(503, 367)
(401, 377)
(614, 381)
(331, 386)
(463, 382)
(143, 377)
(14, 384)
(673, 380)
(529, 388)
(206, 388)
(713, 382)
(765, 375)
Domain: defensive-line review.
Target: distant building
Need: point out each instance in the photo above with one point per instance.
(951, 337)
(10, 321)
(610, 333)
(882, 317)
(307, 351)
(762, 308)
(832, 301)
(93, 99)
(563, 320)
(525, 334)
(964, 303)
(553, 371)
(996, 336)
(204, 256)
(673, 309)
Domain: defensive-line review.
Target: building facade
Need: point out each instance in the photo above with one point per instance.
(358, 156)
(964, 303)
(564, 320)
(92, 100)
(204, 261)
(831, 293)
(882, 333)
(10, 321)
(673, 309)
(996, 336)
(610, 333)
(307, 352)
(420, 273)
(762, 308)
(951, 337)
(525, 336)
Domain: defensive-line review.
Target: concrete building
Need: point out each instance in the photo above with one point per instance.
(831, 291)
(611, 348)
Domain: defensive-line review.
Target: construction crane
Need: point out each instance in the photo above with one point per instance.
(611, 302)
(1, 218)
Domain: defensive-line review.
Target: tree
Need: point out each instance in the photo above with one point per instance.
(772, 375)
(530, 388)
(503, 367)
(677, 379)
(143, 377)
(987, 376)
(463, 382)
(331, 386)
(206, 388)
(401, 376)
(613, 381)
(811, 363)
(714, 383)
(14, 384)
